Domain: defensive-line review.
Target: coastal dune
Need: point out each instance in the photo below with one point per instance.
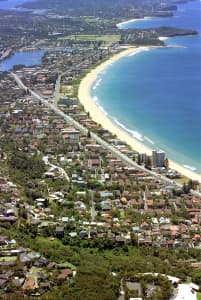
(84, 95)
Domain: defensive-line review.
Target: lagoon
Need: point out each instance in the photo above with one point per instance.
(27, 58)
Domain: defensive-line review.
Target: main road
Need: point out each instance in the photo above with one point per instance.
(125, 159)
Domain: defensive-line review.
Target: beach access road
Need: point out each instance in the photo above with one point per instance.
(99, 140)
(61, 170)
(185, 291)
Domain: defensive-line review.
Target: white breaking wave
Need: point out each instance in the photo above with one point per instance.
(120, 25)
(95, 98)
(97, 83)
(134, 133)
(190, 167)
(102, 109)
(104, 71)
(138, 51)
(175, 46)
(148, 140)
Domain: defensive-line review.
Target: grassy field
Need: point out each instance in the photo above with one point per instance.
(8, 258)
(98, 20)
(68, 265)
(109, 38)
(70, 90)
(198, 296)
(182, 180)
(67, 90)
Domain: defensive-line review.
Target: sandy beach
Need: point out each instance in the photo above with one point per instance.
(163, 38)
(84, 95)
(133, 20)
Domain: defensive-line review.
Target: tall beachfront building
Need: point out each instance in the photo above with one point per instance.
(158, 158)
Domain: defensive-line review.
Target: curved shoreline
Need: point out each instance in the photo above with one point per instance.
(85, 98)
(133, 20)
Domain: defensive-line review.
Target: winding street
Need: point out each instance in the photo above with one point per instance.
(63, 172)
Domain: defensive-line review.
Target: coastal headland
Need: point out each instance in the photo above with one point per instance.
(84, 95)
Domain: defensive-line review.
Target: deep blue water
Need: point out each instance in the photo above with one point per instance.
(186, 16)
(30, 58)
(13, 5)
(156, 94)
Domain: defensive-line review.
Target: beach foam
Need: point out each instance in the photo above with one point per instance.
(163, 38)
(148, 140)
(176, 46)
(138, 51)
(102, 109)
(97, 83)
(96, 100)
(119, 25)
(190, 167)
(133, 133)
(103, 72)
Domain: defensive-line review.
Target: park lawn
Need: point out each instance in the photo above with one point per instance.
(182, 180)
(8, 258)
(198, 296)
(67, 90)
(35, 270)
(187, 282)
(67, 265)
(107, 38)
(97, 20)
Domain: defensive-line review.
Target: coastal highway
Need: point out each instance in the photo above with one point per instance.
(99, 140)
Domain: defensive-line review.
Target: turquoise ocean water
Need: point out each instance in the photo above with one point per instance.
(156, 94)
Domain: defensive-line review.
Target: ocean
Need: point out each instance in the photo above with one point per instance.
(11, 4)
(155, 95)
(15, 6)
